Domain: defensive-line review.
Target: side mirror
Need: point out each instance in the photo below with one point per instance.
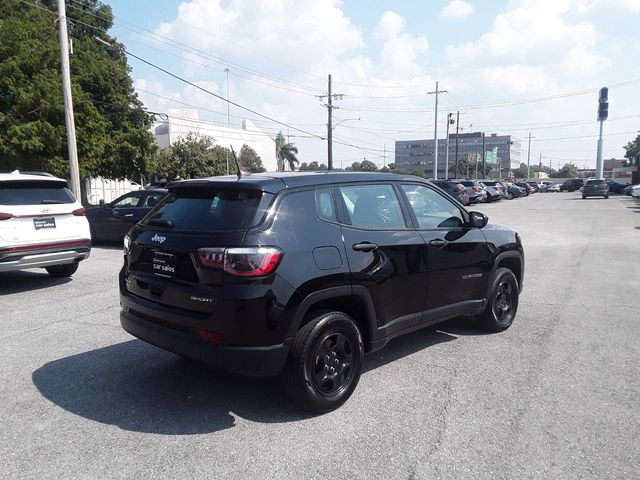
(478, 220)
(101, 202)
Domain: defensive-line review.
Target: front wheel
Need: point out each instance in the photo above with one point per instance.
(325, 363)
(61, 271)
(584, 196)
(503, 302)
(606, 197)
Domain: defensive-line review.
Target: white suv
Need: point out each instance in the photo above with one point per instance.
(42, 225)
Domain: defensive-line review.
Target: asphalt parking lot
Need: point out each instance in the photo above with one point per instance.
(555, 396)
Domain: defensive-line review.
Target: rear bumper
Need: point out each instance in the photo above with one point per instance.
(34, 257)
(149, 325)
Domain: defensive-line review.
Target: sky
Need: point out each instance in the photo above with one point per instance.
(496, 60)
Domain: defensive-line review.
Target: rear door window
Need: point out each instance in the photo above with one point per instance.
(372, 207)
(34, 193)
(210, 210)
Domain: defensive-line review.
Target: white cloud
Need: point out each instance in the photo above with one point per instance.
(390, 25)
(457, 9)
(399, 55)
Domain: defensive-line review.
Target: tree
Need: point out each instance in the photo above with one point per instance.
(249, 160)
(285, 152)
(467, 168)
(190, 157)
(313, 166)
(364, 166)
(520, 172)
(112, 129)
(567, 171)
(632, 149)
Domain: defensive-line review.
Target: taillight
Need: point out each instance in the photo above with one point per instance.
(5, 216)
(460, 188)
(477, 189)
(242, 262)
(211, 257)
(80, 212)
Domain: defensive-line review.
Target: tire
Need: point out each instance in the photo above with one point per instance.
(61, 271)
(315, 376)
(606, 197)
(509, 196)
(503, 302)
(584, 196)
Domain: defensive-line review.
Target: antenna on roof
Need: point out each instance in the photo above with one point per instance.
(237, 164)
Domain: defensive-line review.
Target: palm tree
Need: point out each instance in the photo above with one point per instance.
(285, 152)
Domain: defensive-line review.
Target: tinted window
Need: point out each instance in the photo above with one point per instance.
(372, 206)
(127, 202)
(34, 193)
(595, 182)
(211, 210)
(152, 199)
(324, 204)
(431, 209)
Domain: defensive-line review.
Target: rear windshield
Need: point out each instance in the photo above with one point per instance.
(596, 182)
(467, 184)
(209, 210)
(491, 184)
(34, 193)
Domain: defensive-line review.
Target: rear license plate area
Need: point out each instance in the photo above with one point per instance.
(164, 264)
(44, 222)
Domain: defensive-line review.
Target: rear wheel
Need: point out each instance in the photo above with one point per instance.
(584, 196)
(60, 271)
(503, 302)
(509, 196)
(325, 363)
(606, 196)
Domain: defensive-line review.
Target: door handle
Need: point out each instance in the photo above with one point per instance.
(438, 243)
(364, 246)
(129, 215)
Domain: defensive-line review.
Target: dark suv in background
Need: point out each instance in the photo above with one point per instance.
(303, 273)
(455, 189)
(572, 184)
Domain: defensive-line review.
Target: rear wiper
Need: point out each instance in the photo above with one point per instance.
(159, 222)
(50, 202)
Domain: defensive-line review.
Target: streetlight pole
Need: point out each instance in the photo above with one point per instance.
(457, 134)
(74, 169)
(529, 158)
(228, 115)
(446, 156)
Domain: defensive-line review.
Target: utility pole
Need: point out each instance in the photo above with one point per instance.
(330, 97)
(74, 170)
(384, 155)
(457, 134)
(603, 113)
(477, 157)
(226, 70)
(435, 133)
(529, 158)
(484, 164)
(446, 157)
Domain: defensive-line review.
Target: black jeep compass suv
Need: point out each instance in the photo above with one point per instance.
(303, 273)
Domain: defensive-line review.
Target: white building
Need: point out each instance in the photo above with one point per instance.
(182, 122)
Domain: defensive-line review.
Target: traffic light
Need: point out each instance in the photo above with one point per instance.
(603, 104)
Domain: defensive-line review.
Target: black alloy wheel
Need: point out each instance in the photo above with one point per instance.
(332, 364)
(325, 362)
(503, 301)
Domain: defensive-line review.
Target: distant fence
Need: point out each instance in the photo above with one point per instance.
(108, 190)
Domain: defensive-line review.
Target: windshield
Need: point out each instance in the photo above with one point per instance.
(34, 193)
(209, 210)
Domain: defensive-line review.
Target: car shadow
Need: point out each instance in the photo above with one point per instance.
(138, 387)
(24, 281)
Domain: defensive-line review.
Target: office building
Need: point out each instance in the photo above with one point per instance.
(502, 152)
